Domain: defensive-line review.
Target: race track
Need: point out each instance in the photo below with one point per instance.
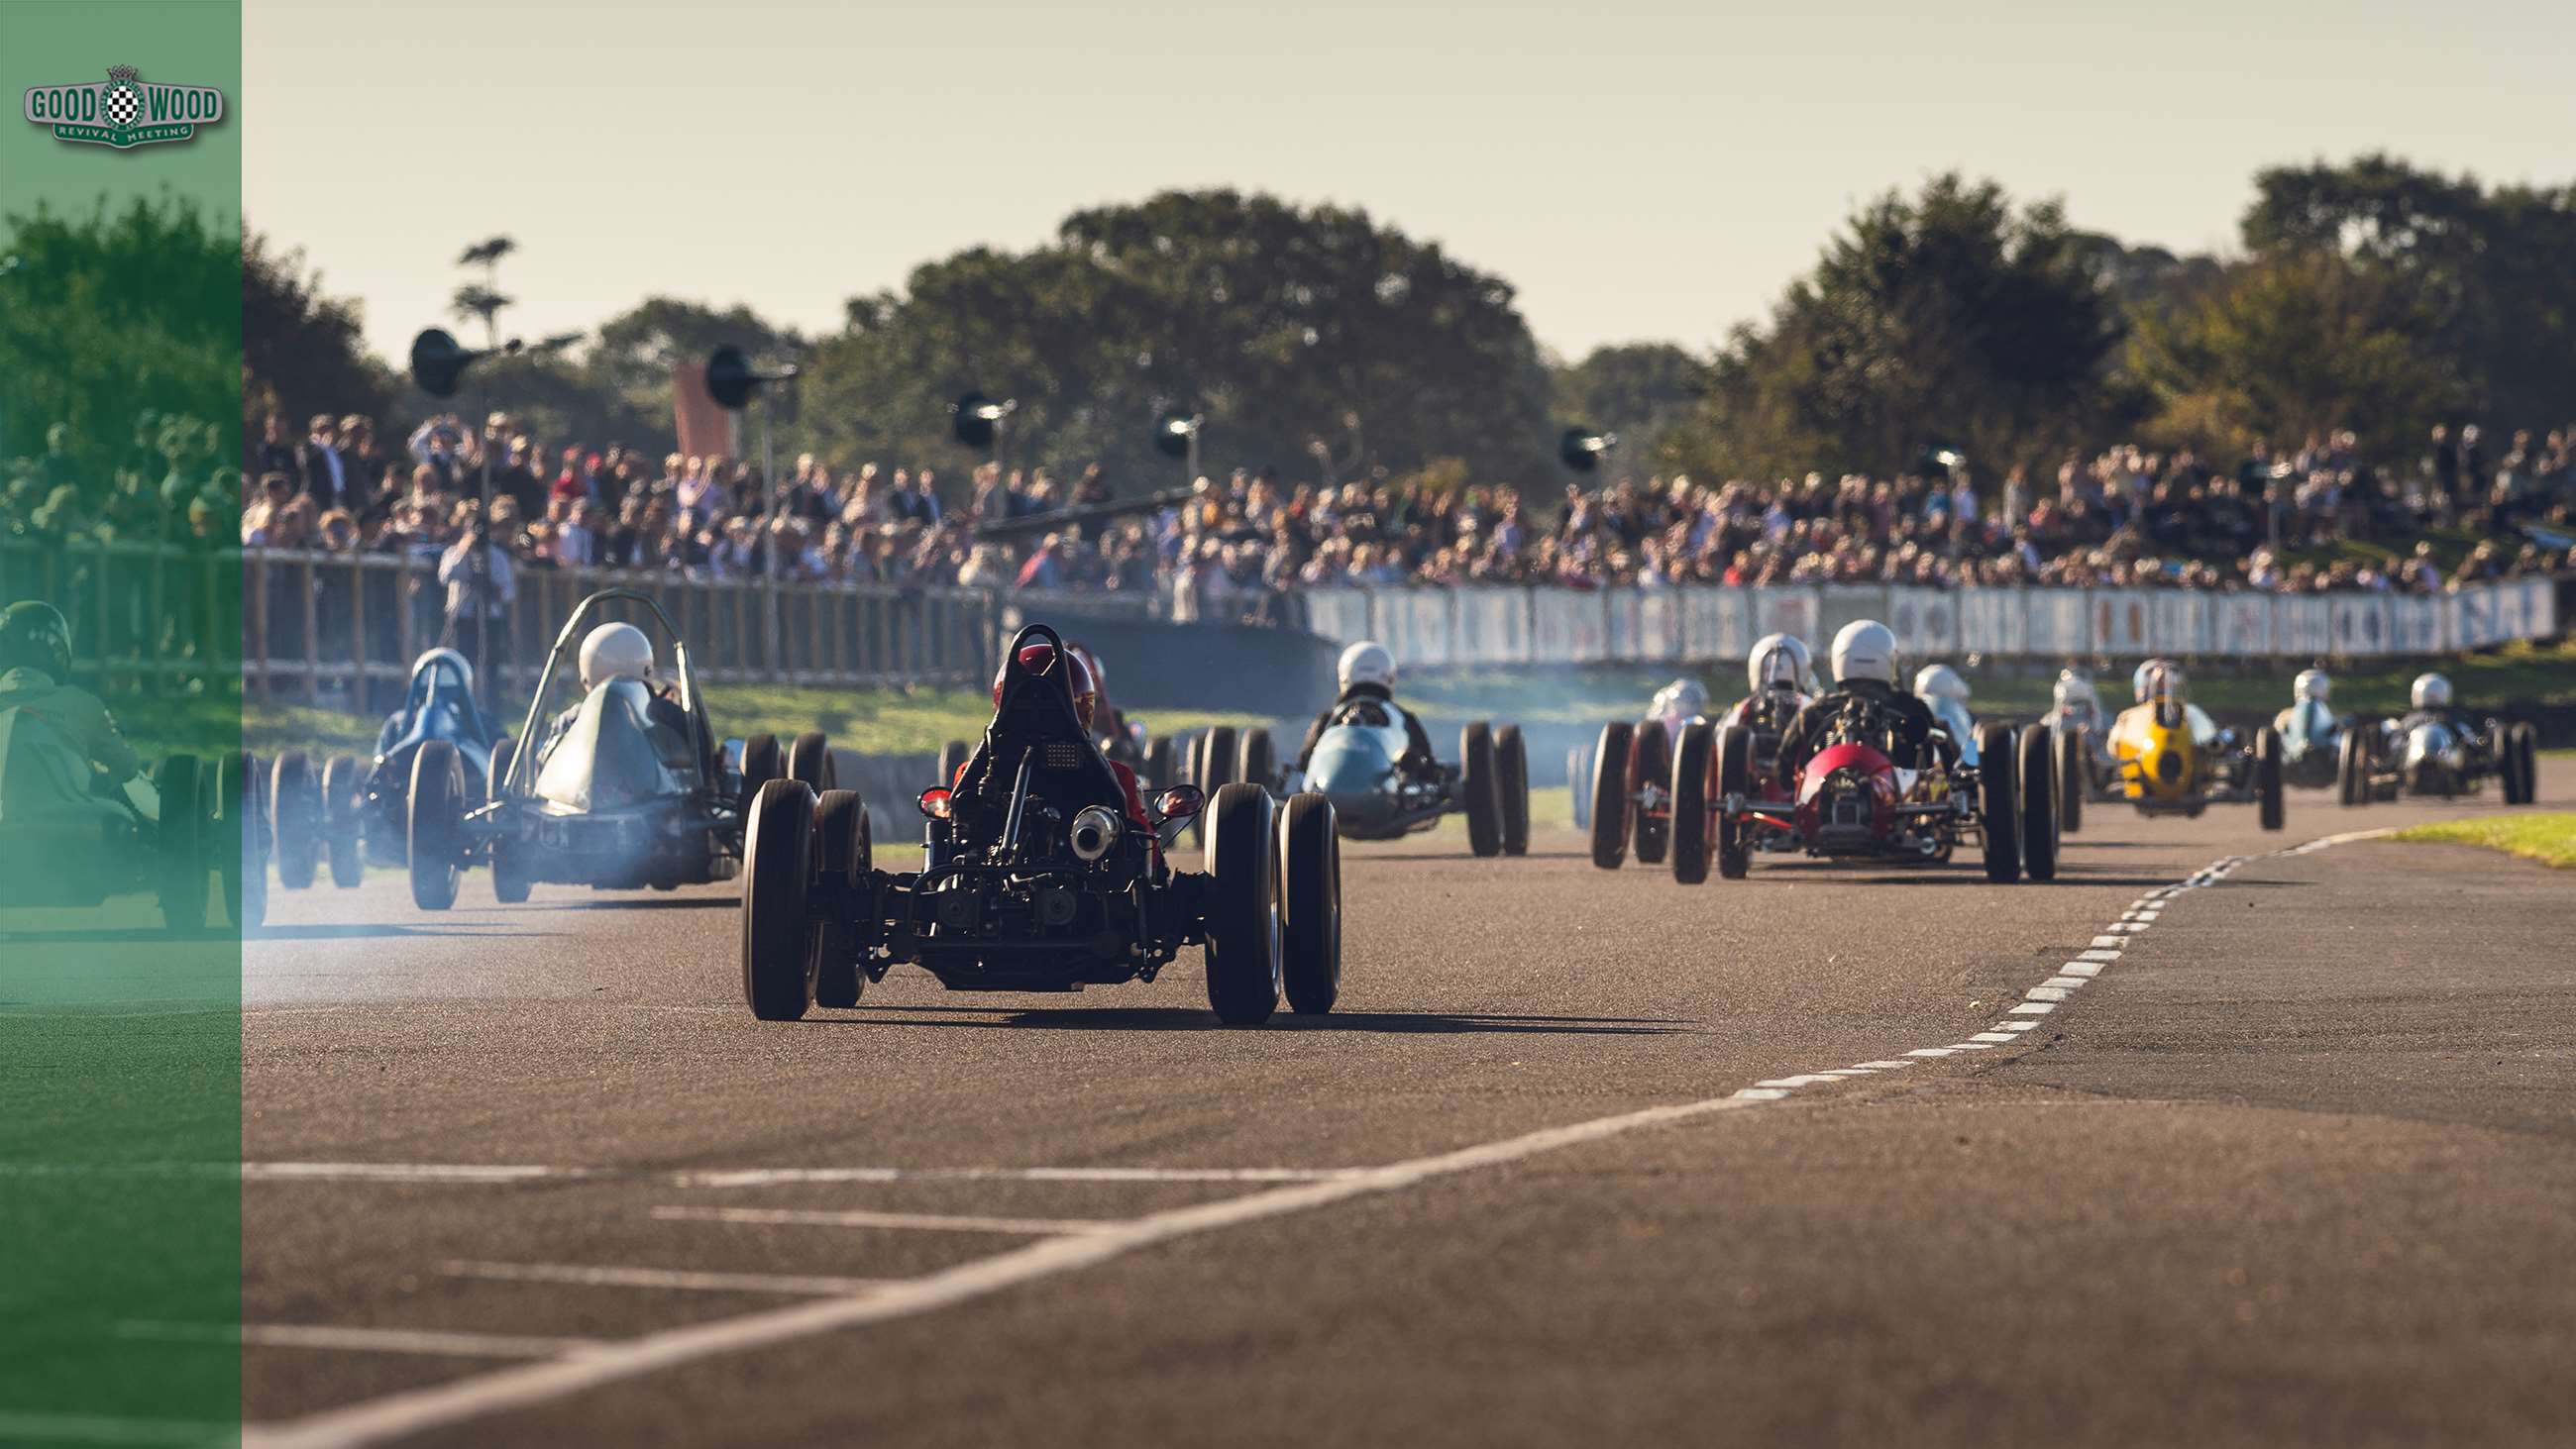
(2286, 1155)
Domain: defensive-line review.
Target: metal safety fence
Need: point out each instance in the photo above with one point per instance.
(1481, 625)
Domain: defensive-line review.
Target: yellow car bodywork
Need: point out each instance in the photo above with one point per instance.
(2161, 752)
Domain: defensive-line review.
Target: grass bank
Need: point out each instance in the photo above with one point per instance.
(2548, 837)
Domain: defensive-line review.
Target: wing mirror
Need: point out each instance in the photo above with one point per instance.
(1181, 802)
(934, 802)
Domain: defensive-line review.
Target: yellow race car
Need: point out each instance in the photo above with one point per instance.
(2168, 757)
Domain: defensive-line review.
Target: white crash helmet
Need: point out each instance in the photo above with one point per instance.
(1865, 649)
(2312, 684)
(2075, 688)
(1367, 662)
(2142, 683)
(1780, 661)
(2430, 691)
(1940, 681)
(1685, 697)
(615, 651)
(432, 659)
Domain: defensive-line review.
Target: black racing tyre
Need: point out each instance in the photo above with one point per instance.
(1256, 761)
(1480, 789)
(809, 759)
(2267, 777)
(842, 858)
(504, 750)
(2039, 813)
(179, 867)
(1654, 764)
(952, 758)
(1158, 764)
(1310, 905)
(1511, 771)
(777, 876)
(2527, 746)
(295, 813)
(238, 834)
(1213, 766)
(2508, 763)
(2352, 777)
(2070, 782)
(1578, 785)
(1999, 813)
(763, 760)
(344, 803)
(437, 809)
(1610, 794)
(1734, 750)
(511, 879)
(1694, 761)
(1242, 925)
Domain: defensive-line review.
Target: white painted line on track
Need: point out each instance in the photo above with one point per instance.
(913, 1222)
(363, 1340)
(583, 1275)
(517, 1174)
(32, 1428)
(776, 1176)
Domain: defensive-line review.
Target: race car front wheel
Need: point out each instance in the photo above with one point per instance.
(180, 876)
(1242, 926)
(344, 801)
(1480, 781)
(237, 831)
(437, 823)
(2070, 782)
(1734, 778)
(1310, 905)
(2267, 778)
(777, 873)
(842, 852)
(2001, 822)
(295, 807)
(1610, 803)
(1654, 764)
(810, 759)
(1691, 769)
(2352, 779)
(2039, 817)
(1511, 772)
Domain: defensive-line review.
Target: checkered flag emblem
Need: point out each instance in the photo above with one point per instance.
(124, 97)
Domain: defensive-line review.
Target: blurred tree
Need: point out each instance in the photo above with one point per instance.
(1950, 315)
(303, 352)
(1274, 320)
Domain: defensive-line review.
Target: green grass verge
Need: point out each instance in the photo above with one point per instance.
(2549, 838)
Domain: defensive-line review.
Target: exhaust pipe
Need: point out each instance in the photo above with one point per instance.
(1095, 830)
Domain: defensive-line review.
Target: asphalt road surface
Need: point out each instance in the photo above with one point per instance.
(2205, 1144)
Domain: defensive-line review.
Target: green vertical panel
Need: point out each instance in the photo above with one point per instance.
(120, 1036)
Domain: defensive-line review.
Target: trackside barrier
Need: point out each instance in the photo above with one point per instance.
(1486, 624)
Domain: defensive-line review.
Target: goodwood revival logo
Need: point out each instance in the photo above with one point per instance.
(124, 112)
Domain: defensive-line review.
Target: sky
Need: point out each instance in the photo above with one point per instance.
(1638, 169)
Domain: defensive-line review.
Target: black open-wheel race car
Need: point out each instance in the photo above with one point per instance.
(67, 839)
(627, 787)
(1041, 873)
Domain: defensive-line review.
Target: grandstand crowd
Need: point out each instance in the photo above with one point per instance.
(2322, 516)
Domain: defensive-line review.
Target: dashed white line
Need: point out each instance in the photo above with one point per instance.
(914, 1222)
(583, 1275)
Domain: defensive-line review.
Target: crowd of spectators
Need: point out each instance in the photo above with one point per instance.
(2126, 515)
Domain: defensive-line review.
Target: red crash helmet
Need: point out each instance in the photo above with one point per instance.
(1090, 661)
(1038, 659)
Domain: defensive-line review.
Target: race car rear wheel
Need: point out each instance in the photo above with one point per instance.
(237, 831)
(1511, 771)
(2039, 817)
(437, 824)
(952, 758)
(1310, 905)
(511, 881)
(1654, 763)
(1212, 765)
(1242, 925)
(2527, 747)
(1610, 794)
(2267, 777)
(1256, 762)
(2351, 773)
(180, 870)
(810, 759)
(1480, 785)
(2000, 813)
(2070, 782)
(295, 808)
(762, 762)
(777, 875)
(1691, 769)
(841, 863)
(1158, 764)
(344, 802)
(1734, 749)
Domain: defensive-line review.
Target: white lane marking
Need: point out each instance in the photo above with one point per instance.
(774, 1176)
(363, 1340)
(1760, 1094)
(915, 1222)
(2109, 943)
(2097, 954)
(514, 1174)
(1887, 1066)
(584, 1275)
(2081, 968)
(477, 1396)
(2045, 993)
(2068, 981)
(2034, 1008)
(1929, 1052)
(17, 1428)
(1996, 1036)
(456, 1172)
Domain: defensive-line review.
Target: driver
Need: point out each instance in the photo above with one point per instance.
(2158, 679)
(424, 673)
(1367, 674)
(1085, 686)
(619, 651)
(2310, 719)
(2077, 704)
(1779, 670)
(1111, 726)
(35, 683)
(1865, 677)
(2429, 701)
(1679, 702)
(1942, 689)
